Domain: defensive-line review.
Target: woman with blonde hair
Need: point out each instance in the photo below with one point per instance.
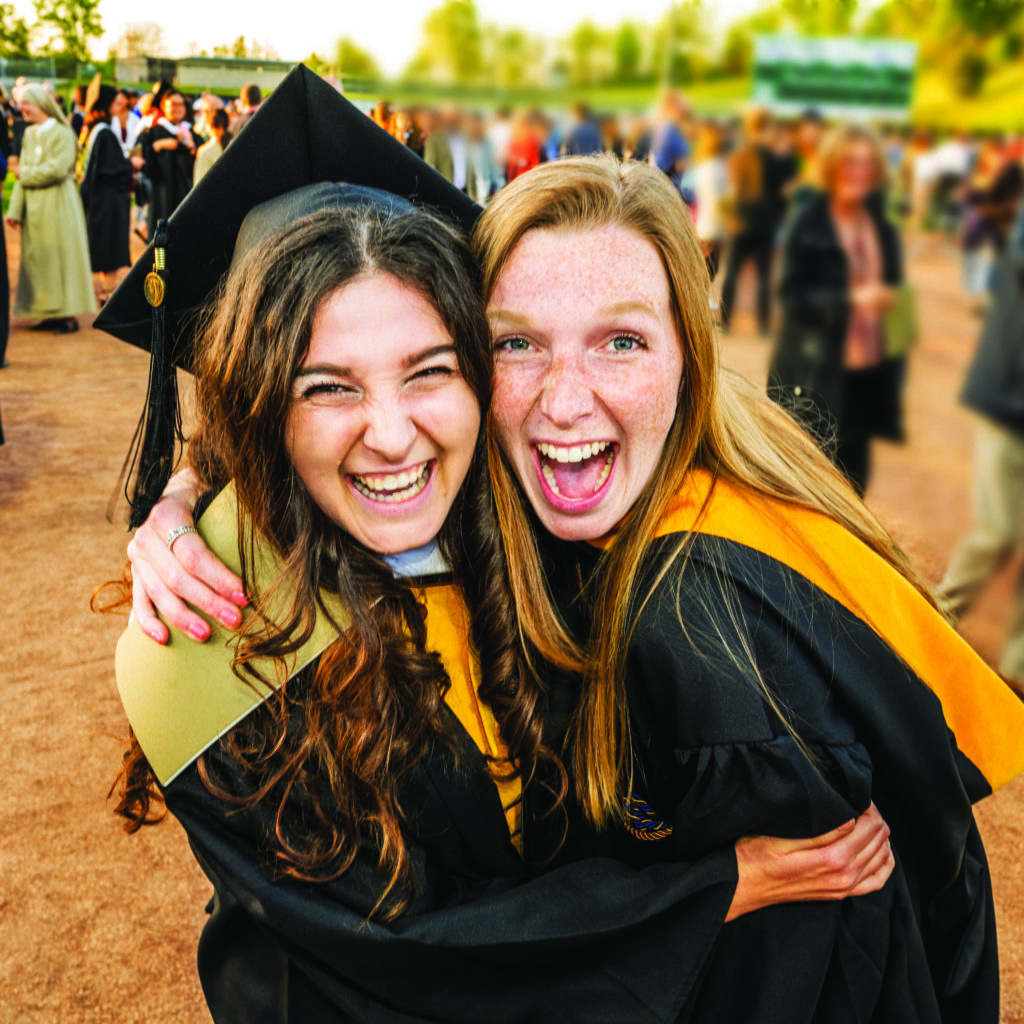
(842, 263)
(754, 652)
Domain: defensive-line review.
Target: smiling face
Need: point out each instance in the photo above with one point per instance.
(587, 374)
(382, 426)
(857, 173)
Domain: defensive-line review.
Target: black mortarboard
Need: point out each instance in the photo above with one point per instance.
(99, 96)
(305, 133)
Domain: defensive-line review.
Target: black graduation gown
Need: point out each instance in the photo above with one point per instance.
(713, 762)
(169, 172)
(486, 937)
(106, 190)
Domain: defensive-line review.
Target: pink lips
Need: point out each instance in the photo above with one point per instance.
(571, 505)
(397, 509)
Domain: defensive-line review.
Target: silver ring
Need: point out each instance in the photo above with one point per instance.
(178, 531)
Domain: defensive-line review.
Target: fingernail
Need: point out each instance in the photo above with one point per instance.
(155, 636)
(239, 598)
(230, 617)
(199, 632)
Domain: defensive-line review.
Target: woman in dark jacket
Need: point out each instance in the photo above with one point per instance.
(841, 266)
(106, 192)
(169, 149)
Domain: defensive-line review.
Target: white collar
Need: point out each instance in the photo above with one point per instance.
(48, 123)
(423, 561)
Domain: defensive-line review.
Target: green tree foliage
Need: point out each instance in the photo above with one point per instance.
(628, 52)
(514, 57)
(986, 18)
(452, 47)
(353, 61)
(140, 39)
(71, 22)
(13, 33)
(589, 53)
(819, 17)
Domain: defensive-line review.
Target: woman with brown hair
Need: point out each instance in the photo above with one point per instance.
(842, 264)
(349, 767)
(106, 190)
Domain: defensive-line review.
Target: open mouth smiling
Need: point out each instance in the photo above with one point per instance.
(393, 487)
(576, 474)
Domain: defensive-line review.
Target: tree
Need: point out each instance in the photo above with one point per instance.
(13, 33)
(451, 50)
(140, 39)
(820, 17)
(589, 54)
(73, 22)
(628, 51)
(352, 61)
(238, 48)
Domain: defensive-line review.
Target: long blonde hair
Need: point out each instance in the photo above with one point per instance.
(722, 424)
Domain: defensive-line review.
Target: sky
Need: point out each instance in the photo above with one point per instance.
(388, 29)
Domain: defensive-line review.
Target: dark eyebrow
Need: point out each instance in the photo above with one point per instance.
(407, 363)
(428, 353)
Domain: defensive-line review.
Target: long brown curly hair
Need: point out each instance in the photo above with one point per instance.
(372, 708)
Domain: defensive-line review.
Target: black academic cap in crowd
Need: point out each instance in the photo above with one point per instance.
(305, 133)
(99, 96)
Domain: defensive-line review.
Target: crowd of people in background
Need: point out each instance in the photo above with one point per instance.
(816, 209)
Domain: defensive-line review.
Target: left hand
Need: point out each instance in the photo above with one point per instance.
(851, 860)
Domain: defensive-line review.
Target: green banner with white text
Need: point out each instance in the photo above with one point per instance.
(837, 76)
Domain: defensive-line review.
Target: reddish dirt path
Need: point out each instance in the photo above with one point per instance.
(95, 926)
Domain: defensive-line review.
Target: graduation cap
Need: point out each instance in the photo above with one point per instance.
(305, 133)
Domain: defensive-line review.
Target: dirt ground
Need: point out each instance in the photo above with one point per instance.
(97, 926)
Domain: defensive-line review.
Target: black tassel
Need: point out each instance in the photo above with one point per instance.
(154, 447)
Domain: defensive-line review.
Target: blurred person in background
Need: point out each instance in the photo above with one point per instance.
(106, 189)
(54, 282)
(978, 237)
(125, 122)
(5, 304)
(447, 149)
(810, 130)
(842, 262)
(210, 152)
(169, 149)
(382, 115)
(524, 150)
(995, 391)
(499, 132)
(637, 140)
(759, 180)
(204, 109)
(612, 140)
(709, 181)
(249, 100)
(670, 142)
(583, 137)
(77, 116)
(405, 128)
(483, 172)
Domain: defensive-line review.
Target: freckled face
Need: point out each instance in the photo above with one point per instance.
(382, 425)
(588, 365)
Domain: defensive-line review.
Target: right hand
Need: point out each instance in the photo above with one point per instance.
(164, 580)
(851, 860)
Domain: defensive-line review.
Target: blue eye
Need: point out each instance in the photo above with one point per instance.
(513, 345)
(626, 343)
